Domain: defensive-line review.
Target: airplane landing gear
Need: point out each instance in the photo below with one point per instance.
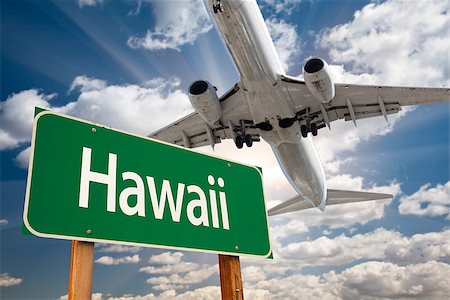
(304, 131)
(248, 140)
(240, 135)
(217, 7)
(311, 128)
(239, 142)
(314, 129)
(241, 139)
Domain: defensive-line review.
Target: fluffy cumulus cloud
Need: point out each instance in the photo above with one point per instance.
(86, 84)
(286, 40)
(176, 274)
(6, 280)
(135, 108)
(178, 280)
(412, 34)
(109, 261)
(16, 117)
(178, 23)
(379, 244)
(420, 248)
(166, 258)
(427, 201)
(386, 280)
(409, 263)
(370, 280)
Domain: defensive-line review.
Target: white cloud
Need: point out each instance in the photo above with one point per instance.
(386, 280)
(282, 6)
(178, 23)
(3, 222)
(117, 248)
(180, 267)
(16, 117)
(139, 109)
(420, 248)
(82, 3)
(191, 277)
(134, 108)
(177, 274)
(23, 159)
(95, 296)
(380, 244)
(371, 280)
(87, 84)
(290, 228)
(204, 293)
(381, 45)
(392, 38)
(6, 280)
(427, 201)
(253, 274)
(286, 40)
(109, 261)
(166, 258)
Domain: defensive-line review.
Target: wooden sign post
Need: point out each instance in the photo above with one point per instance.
(230, 277)
(81, 267)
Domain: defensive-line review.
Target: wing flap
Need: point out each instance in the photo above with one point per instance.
(366, 101)
(365, 94)
(190, 131)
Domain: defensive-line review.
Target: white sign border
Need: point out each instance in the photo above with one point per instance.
(95, 240)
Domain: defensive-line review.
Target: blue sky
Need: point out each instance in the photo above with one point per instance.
(128, 64)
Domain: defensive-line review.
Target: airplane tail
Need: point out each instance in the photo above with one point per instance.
(333, 197)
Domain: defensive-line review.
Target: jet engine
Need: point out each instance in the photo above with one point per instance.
(318, 80)
(204, 99)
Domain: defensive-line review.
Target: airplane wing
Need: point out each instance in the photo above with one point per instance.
(334, 197)
(192, 131)
(353, 102)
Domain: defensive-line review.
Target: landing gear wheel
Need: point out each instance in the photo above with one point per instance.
(314, 129)
(304, 131)
(239, 142)
(217, 7)
(248, 140)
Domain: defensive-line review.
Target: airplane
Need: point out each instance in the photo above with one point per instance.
(283, 110)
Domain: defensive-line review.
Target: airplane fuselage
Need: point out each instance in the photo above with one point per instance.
(244, 32)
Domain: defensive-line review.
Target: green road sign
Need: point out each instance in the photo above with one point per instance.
(93, 183)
